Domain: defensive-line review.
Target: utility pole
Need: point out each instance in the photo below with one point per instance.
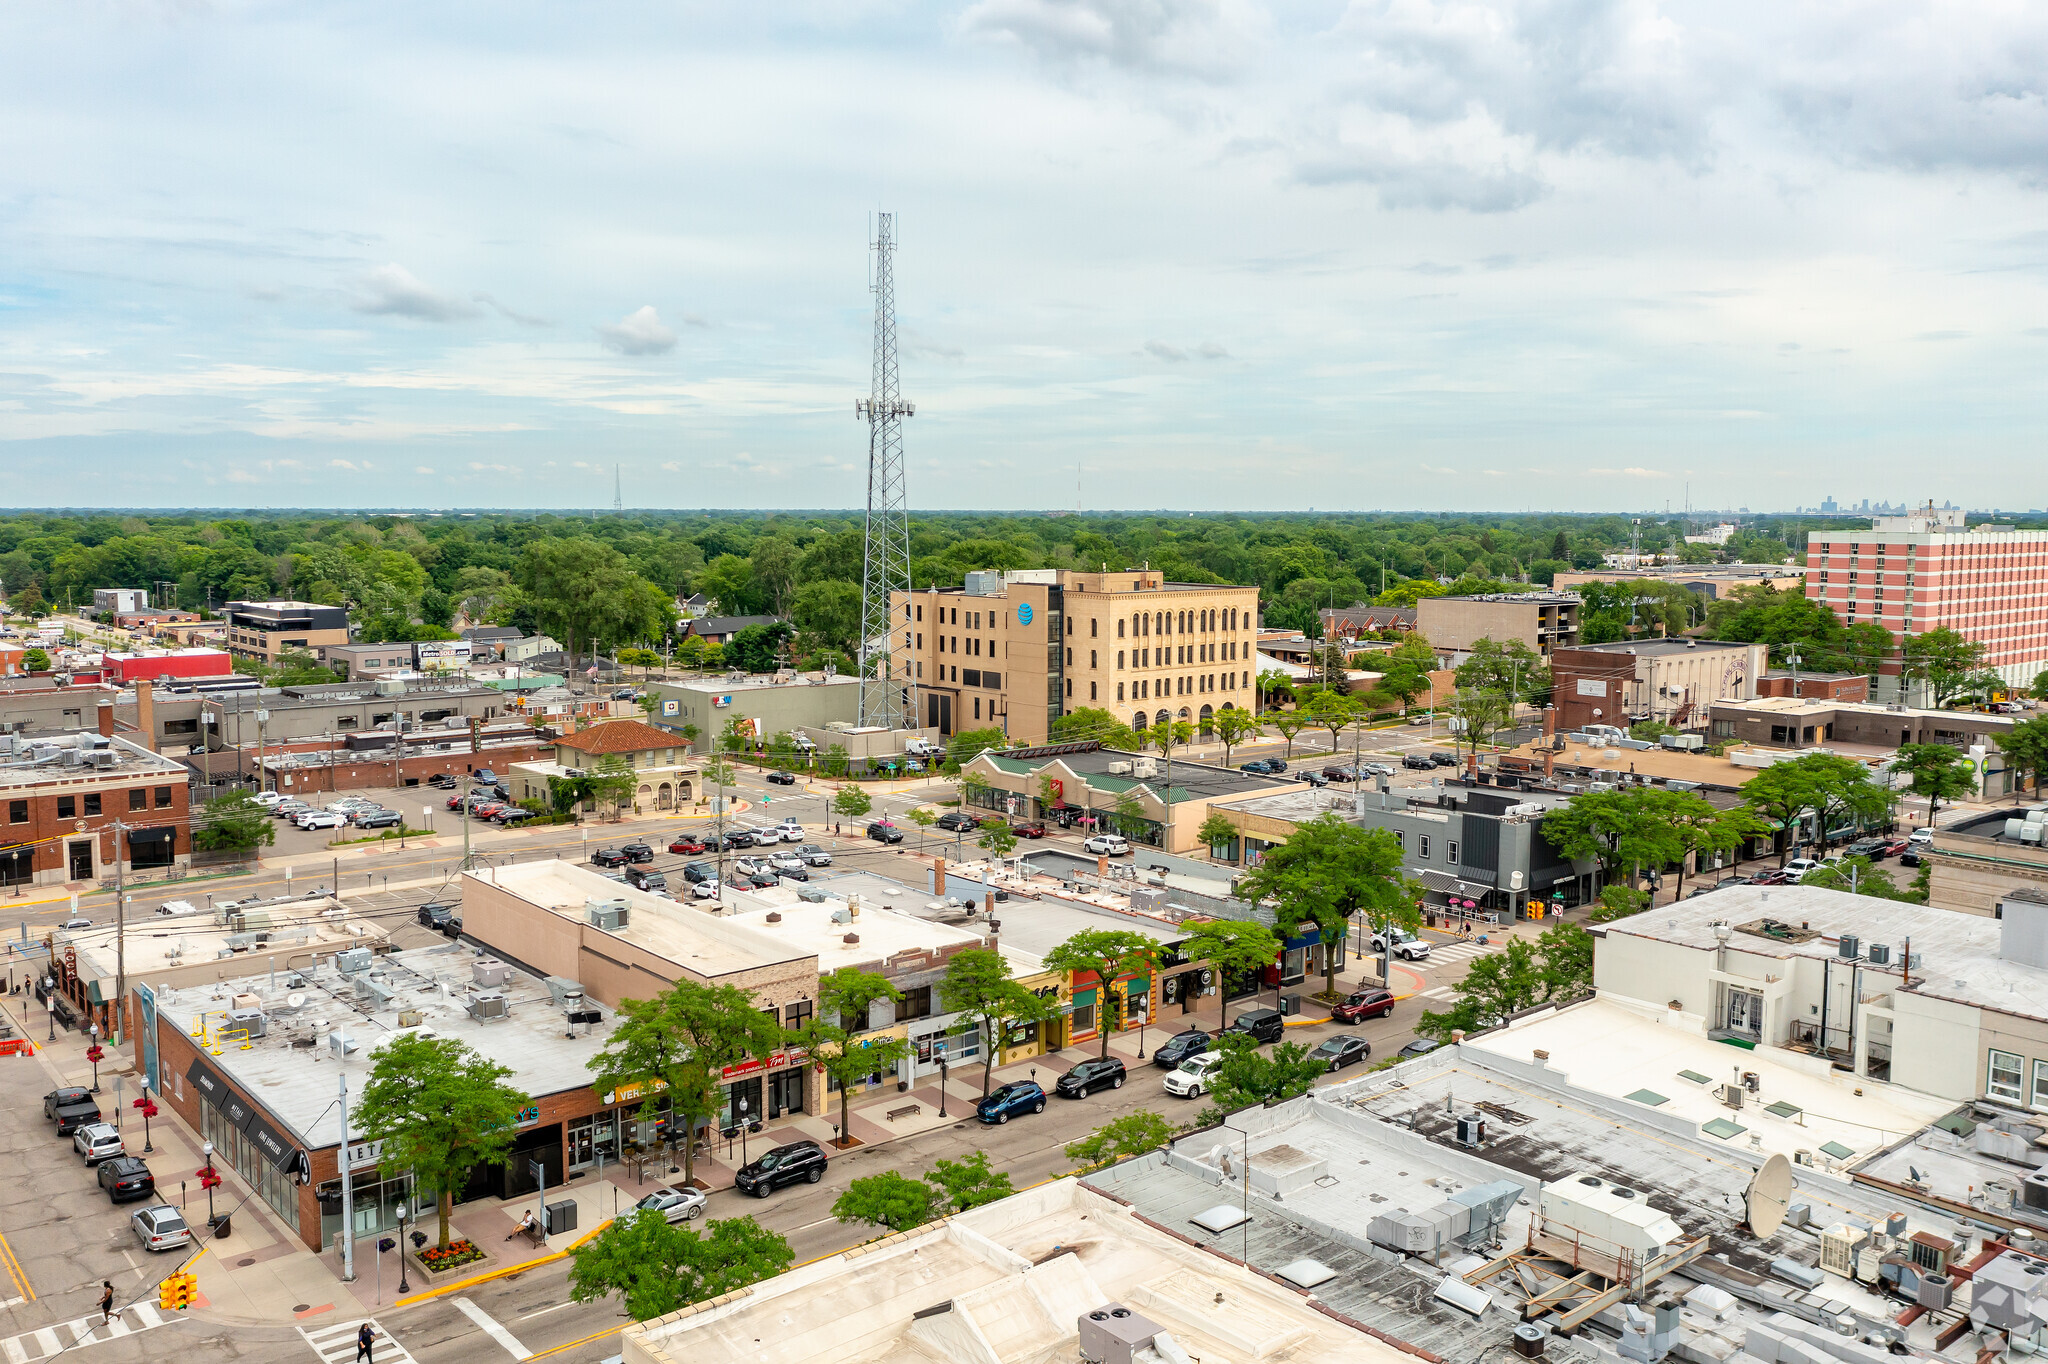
(348, 1199)
(120, 940)
(885, 558)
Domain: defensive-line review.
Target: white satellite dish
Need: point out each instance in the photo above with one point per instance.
(295, 1001)
(1770, 1194)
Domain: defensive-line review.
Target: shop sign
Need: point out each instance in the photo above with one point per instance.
(625, 1094)
(752, 1064)
(364, 1153)
(528, 1116)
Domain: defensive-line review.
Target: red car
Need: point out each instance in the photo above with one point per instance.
(1364, 1004)
(1893, 848)
(1777, 876)
(686, 844)
(1032, 830)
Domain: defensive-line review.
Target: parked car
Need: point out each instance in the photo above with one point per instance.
(1007, 1101)
(780, 778)
(1030, 828)
(694, 872)
(637, 852)
(800, 1160)
(442, 780)
(1335, 772)
(98, 1141)
(1421, 1046)
(706, 890)
(684, 844)
(1108, 845)
(1867, 847)
(1315, 779)
(126, 1178)
(484, 776)
(731, 838)
(487, 809)
(1264, 1025)
(1799, 866)
(956, 821)
(1260, 767)
(1339, 1052)
(511, 815)
(268, 798)
(645, 878)
(1192, 1077)
(1775, 876)
(1892, 848)
(1377, 770)
(1180, 1047)
(1359, 1005)
(285, 809)
(380, 819)
(814, 856)
(788, 864)
(749, 866)
(763, 879)
(76, 923)
(1407, 946)
(64, 1098)
(160, 1228)
(608, 857)
(1922, 835)
(319, 819)
(676, 1205)
(885, 833)
(1417, 762)
(73, 1116)
(440, 916)
(1089, 1076)
(1444, 759)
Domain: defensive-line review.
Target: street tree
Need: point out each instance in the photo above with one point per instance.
(641, 1258)
(969, 1183)
(1811, 785)
(439, 1108)
(233, 823)
(1942, 660)
(1481, 714)
(1106, 954)
(851, 801)
(1701, 829)
(1232, 947)
(1133, 1134)
(1619, 902)
(1856, 875)
(1325, 872)
(34, 660)
(1626, 829)
(1248, 1076)
(1173, 734)
(612, 781)
(1512, 669)
(969, 744)
(977, 984)
(1330, 710)
(1127, 816)
(837, 1036)
(1232, 727)
(2026, 748)
(889, 1200)
(1091, 722)
(1274, 687)
(1216, 832)
(1936, 772)
(998, 840)
(1289, 723)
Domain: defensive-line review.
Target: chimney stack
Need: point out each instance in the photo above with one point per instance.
(106, 717)
(145, 712)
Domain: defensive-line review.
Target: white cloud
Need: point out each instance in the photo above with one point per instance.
(422, 470)
(394, 291)
(639, 332)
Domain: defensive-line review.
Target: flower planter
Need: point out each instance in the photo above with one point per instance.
(460, 1254)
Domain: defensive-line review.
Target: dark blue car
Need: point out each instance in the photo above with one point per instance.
(1005, 1101)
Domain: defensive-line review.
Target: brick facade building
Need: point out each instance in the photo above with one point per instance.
(62, 794)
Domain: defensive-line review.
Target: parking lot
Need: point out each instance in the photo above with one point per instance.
(421, 807)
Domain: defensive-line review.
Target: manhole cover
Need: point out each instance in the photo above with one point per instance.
(302, 1307)
(246, 1263)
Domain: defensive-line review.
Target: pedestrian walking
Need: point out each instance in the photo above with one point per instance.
(366, 1345)
(106, 1301)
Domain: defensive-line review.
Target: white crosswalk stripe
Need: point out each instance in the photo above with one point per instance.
(87, 1331)
(336, 1344)
(1461, 951)
(1440, 992)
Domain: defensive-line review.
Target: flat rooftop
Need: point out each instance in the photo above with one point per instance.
(1649, 762)
(881, 932)
(1956, 955)
(291, 1071)
(672, 930)
(721, 686)
(1005, 1284)
(195, 938)
(81, 755)
(1657, 648)
(1812, 705)
(1191, 780)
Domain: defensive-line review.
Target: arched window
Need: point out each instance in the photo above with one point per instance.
(1164, 718)
(1138, 721)
(1207, 717)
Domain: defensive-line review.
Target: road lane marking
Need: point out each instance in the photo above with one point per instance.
(489, 1326)
(543, 1311)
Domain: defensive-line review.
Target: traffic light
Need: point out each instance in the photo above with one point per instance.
(177, 1291)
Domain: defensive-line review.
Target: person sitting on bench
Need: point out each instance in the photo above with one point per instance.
(528, 1226)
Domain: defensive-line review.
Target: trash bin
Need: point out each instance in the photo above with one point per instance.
(561, 1217)
(1290, 1005)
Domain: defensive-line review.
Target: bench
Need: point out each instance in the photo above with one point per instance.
(905, 1111)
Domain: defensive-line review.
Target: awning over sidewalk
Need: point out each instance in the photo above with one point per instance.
(1443, 883)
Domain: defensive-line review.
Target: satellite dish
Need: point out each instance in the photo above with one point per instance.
(1770, 1194)
(295, 1001)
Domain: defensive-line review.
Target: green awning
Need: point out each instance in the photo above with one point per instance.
(1695, 1077)
(1648, 1096)
(1722, 1128)
(1837, 1150)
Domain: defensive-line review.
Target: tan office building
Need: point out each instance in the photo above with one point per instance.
(1017, 650)
(1541, 620)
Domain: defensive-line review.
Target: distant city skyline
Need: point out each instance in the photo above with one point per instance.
(1457, 255)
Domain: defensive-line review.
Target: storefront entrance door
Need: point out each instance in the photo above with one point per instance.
(786, 1092)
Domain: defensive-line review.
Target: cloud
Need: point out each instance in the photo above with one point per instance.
(1204, 38)
(638, 333)
(394, 291)
(1210, 350)
(422, 470)
(1632, 471)
(503, 470)
(522, 319)
(351, 466)
(1159, 350)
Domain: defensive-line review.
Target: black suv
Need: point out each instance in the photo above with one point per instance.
(1267, 766)
(1417, 762)
(609, 857)
(1179, 1047)
(694, 872)
(646, 878)
(125, 1178)
(1265, 1025)
(1090, 1076)
(885, 833)
(784, 1165)
(956, 822)
(734, 838)
(439, 915)
(637, 852)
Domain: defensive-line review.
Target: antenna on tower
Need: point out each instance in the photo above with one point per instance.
(618, 491)
(885, 560)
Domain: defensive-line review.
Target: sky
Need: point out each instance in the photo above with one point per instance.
(1573, 255)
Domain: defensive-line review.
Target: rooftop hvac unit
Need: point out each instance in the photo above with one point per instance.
(1838, 1247)
(1850, 947)
(1471, 1129)
(488, 1005)
(1935, 1291)
(489, 972)
(249, 1021)
(2034, 1191)
(609, 915)
(1144, 767)
(566, 993)
(1122, 768)
(1592, 786)
(1880, 954)
(811, 895)
(2031, 833)
(340, 1044)
(352, 961)
(1114, 1334)
(376, 992)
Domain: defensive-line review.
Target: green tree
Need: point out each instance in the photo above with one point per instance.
(1127, 816)
(1289, 723)
(439, 1108)
(1813, 784)
(29, 602)
(1943, 661)
(1701, 829)
(828, 613)
(1232, 727)
(1480, 714)
(1216, 832)
(1936, 772)
(1619, 902)
(1333, 667)
(2039, 691)
(34, 660)
(850, 801)
(1105, 954)
(1133, 1134)
(1232, 947)
(2026, 748)
(1566, 951)
(233, 823)
(838, 1039)
(1495, 988)
(1626, 829)
(977, 984)
(968, 745)
(1650, 731)
(1330, 710)
(1091, 722)
(1512, 669)
(1327, 870)
(759, 648)
(835, 764)
(657, 1267)
(1274, 687)
(1248, 1076)
(969, 1183)
(887, 1200)
(612, 781)
(998, 840)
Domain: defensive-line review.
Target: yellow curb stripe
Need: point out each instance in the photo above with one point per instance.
(489, 1275)
(15, 1271)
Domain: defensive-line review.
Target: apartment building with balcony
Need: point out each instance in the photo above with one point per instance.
(1542, 620)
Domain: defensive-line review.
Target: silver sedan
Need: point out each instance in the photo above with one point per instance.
(677, 1205)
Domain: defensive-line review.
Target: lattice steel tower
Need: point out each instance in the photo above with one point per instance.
(890, 702)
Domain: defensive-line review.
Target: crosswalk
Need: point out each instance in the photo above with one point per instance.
(87, 1331)
(1445, 953)
(336, 1344)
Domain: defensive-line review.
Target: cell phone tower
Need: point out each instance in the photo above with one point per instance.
(886, 701)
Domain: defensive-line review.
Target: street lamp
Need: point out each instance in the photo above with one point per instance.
(148, 1107)
(208, 1178)
(93, 1054)
(942, 1084)
(50, 1002)
(404, 1285)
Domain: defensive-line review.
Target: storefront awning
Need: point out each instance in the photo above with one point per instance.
(1443, 883)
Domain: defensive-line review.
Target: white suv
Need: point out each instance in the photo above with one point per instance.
(1192, 1079)
(1110, 845)
(1406, 944)
(319, 819)
(98, 1141)
(790, 831)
